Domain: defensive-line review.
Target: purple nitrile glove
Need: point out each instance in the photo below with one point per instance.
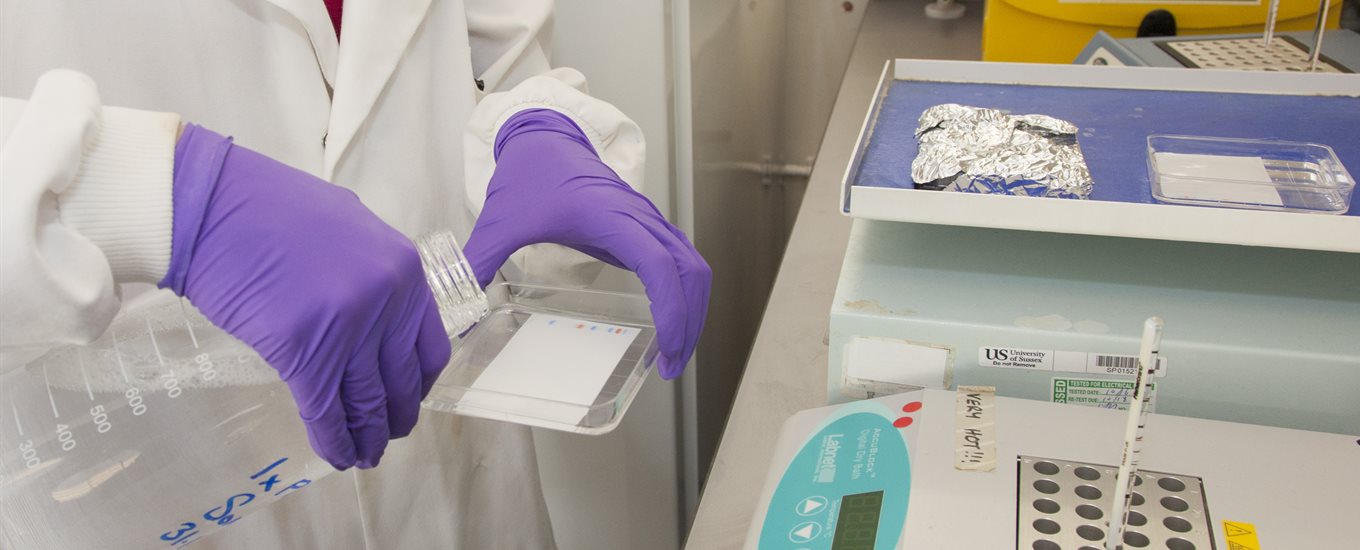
(328, 294)
(550, 186)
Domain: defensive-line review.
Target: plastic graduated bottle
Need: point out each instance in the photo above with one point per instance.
(166, 428)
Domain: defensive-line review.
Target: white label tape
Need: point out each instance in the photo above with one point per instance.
(1107, 364)
(975, 428)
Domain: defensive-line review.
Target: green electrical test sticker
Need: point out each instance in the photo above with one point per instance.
(1092, 392)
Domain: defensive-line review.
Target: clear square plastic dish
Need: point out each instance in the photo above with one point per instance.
(462, 388)
(1248, 173)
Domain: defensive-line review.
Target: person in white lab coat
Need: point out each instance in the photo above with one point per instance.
(431, 111)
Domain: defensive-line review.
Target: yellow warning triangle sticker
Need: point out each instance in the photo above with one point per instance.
(1241, 535)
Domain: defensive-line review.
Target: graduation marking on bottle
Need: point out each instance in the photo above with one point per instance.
(27, 452)
(80, 364)
(206, 368)
(118, 356)
(154, 345)
(133, 395)
(171, 384)
(50, 399)
(98, 414)
(18, 425)
(135, 401)
(65, 438)
(184, 315)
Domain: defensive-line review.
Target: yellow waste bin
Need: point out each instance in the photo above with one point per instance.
(1054, 31)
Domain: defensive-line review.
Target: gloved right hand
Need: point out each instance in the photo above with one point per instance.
(333, 298)
(550, 186)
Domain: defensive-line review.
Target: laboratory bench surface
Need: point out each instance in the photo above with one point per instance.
(786, 371)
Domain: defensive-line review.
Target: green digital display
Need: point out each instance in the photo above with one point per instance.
(857, 524)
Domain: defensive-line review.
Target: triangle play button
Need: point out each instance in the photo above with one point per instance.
(810, 505)
(804, 532)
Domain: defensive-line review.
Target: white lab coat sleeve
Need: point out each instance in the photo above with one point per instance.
(510, 41)
(86, 205)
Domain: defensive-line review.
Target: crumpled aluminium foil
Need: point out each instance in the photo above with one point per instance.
(978, 150)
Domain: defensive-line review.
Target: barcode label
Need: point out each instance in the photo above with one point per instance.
(1116, 361)
(1108, 364)
(1120, 365)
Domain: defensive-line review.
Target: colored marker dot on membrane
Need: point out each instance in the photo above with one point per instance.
(907, 420)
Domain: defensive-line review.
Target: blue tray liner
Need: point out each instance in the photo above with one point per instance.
(1114, 126)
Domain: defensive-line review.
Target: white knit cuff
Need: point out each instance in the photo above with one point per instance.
(122, 197)
(615, 137)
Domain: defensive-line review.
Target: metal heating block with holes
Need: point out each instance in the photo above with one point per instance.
(1248, 54)
(1050, 486)
(1065, 504)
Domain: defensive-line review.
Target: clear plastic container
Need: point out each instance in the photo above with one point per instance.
(1248, 173)
(153, 436)
(461, 388)
(167, 428)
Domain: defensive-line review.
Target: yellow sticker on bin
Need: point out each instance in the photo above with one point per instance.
(1240, 536)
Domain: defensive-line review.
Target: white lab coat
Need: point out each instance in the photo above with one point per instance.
(392, 111)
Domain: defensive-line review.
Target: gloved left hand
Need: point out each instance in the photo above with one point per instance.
(550, 186)
(328, 294)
